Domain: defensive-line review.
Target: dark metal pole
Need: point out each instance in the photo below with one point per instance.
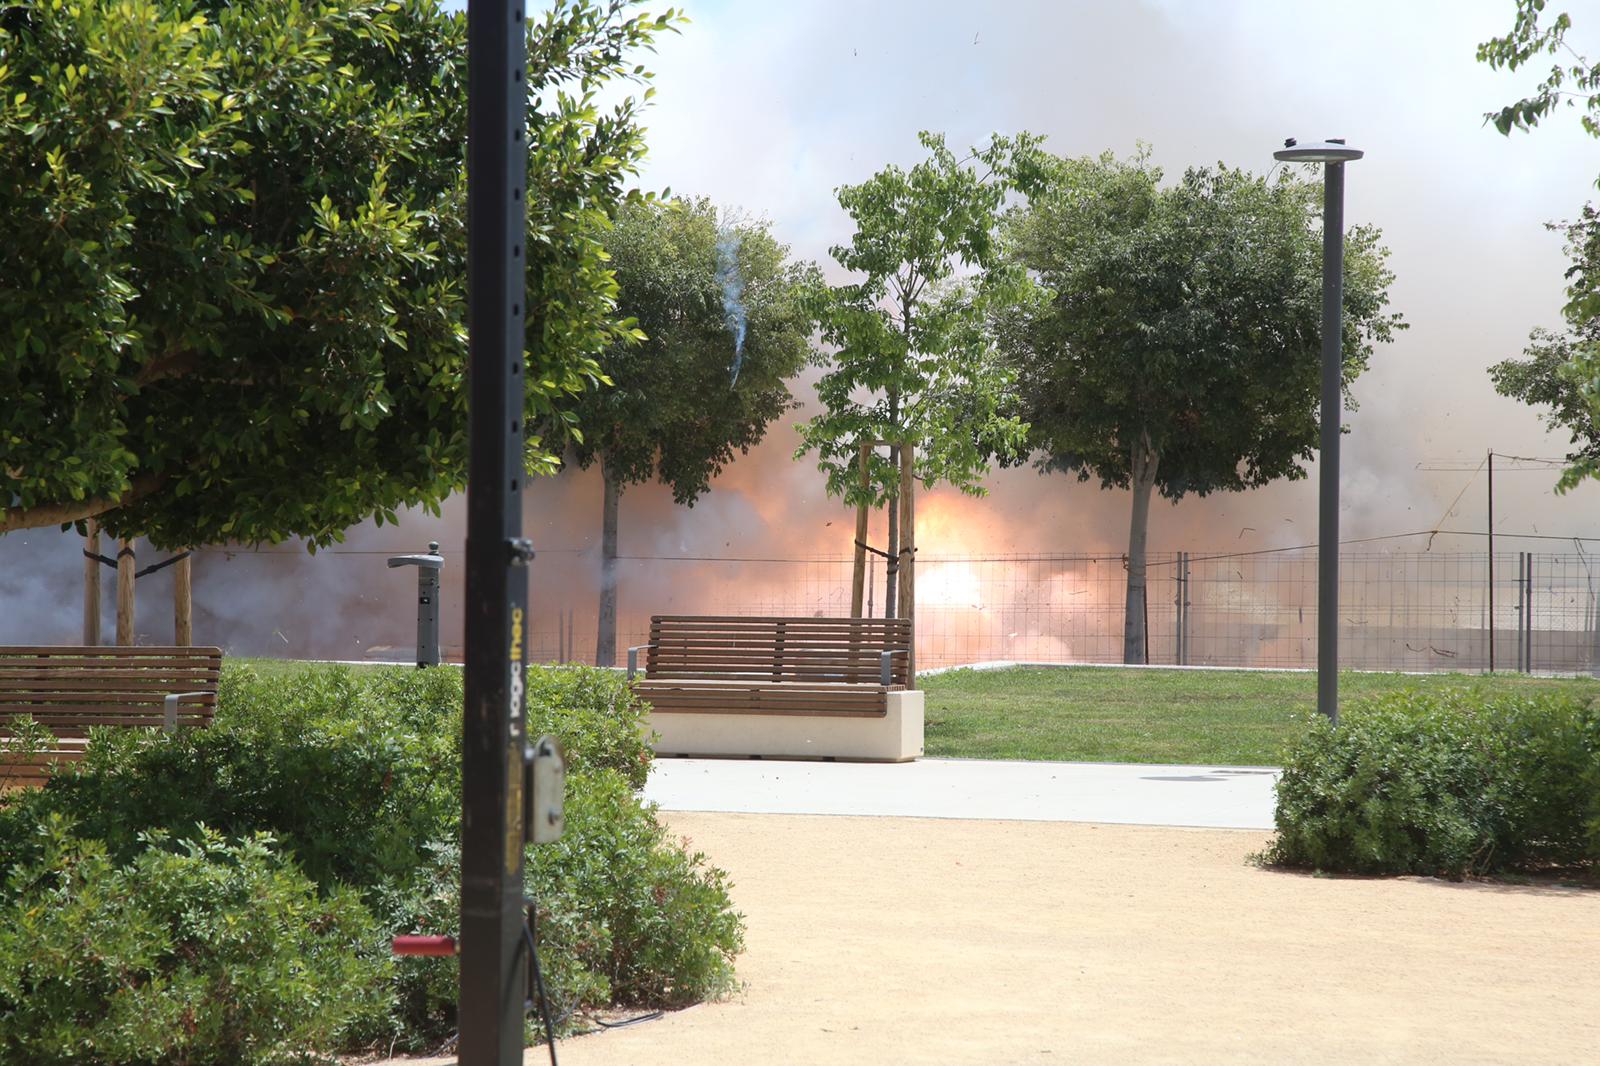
(493, 964)
(1186, 606)
(1332, 406)
(1527, 616)
(1522, 573)
(1491, 560)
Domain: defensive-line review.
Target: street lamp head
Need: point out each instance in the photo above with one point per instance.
(1332, 150)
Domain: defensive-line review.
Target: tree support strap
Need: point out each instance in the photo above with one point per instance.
(894, 562)
(152, 568)
(879, 552)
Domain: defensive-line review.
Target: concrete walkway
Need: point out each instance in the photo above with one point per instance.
(1228, 797)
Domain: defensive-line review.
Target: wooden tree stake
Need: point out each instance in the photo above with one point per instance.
(908, 556)
(182, 604)
(125, 566)
(91, 587)
(858, 582)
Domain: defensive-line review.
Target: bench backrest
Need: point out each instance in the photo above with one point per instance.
(69, 689)
(777, 649)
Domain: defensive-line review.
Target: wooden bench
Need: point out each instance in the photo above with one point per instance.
(731, 685)
(70, 690)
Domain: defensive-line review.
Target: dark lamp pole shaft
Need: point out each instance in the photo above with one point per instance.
(493, 962)
(1332, 408)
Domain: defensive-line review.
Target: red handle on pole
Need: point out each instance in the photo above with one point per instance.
(425, 945)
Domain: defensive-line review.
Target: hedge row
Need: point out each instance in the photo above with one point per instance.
(227, 895)
(1447, 783)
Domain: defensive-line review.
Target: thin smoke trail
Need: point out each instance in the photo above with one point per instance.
(733, 310)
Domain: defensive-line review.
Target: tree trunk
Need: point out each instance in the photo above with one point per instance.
(1144, 460)
(605, 646)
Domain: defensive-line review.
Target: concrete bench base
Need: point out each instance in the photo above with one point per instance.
(896, 737)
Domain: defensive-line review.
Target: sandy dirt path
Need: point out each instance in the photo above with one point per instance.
(876, 940)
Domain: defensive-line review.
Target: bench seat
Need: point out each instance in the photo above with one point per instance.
(783, 687)
(699, 696)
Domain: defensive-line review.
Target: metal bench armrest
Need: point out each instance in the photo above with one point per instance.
(886, 664)
(633, 658)
(169, 707)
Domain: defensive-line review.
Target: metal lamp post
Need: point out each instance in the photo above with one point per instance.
(1333, 154)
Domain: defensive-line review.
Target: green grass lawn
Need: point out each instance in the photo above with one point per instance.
(1099, 714)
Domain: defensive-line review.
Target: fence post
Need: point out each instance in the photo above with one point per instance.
(1528, 614)
(1183, 632)
(1177, 618)
(1522, 611)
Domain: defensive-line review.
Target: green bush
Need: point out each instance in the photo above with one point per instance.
(595, 715)
(626, 915)
(356, 774)
(354, 771)
(1450, 783)
(349, 771)
(209, 953)
(633, 907)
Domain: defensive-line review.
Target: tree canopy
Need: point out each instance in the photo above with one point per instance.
(914, 358)
(1571, 80)
(1561, 370)
(685, 399)
(722, 321)
(915, 362)
(233, 305)
(1174, 340)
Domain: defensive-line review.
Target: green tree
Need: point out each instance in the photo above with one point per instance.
(915, 362)
(232, 302)
(1559, 370)
(697, 388)
(1571, 81)
(1175, 340)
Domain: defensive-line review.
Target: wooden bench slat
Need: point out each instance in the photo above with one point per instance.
(112, 651)
(797, 688)
(817, 650)
(796, 625)
(109, 715)
(833, 620)
(141, 694)
(85, 676)
(119, 666)
(775, 673)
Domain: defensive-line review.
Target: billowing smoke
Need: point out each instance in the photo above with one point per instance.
(732, 283)
(1214, 83)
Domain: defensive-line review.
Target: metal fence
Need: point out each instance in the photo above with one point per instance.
(1407, 609)
(1398, 610)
